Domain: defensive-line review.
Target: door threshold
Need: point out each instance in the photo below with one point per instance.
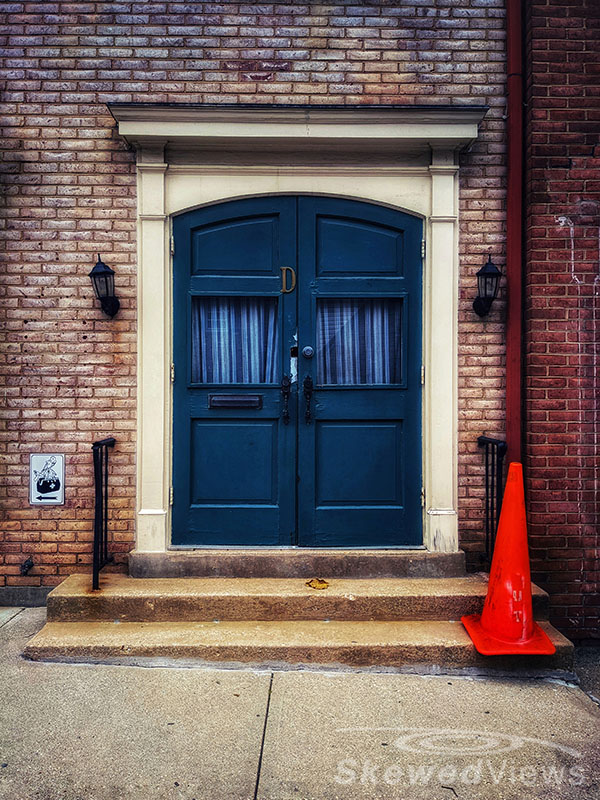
(288, 548)
(297, 562)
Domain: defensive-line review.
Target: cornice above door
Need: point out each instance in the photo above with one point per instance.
(379, 130)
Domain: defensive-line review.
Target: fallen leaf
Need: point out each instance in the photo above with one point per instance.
(317, 583)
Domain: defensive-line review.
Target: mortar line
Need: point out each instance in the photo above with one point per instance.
(264, 734)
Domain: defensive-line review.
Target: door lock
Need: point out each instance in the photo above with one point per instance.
(308, 386)
(308, 352)
(286, 388)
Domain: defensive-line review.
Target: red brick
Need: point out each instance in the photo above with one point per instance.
(73, 187)
(561, 184)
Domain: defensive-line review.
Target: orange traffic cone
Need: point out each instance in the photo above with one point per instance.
(506, 624)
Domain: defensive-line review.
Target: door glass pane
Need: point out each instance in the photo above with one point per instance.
(234, 340)
(359, 341)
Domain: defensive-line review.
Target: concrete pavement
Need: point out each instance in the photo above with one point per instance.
(587, 667)
(82, 732)
(76, 732)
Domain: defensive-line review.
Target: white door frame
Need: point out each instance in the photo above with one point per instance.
(405, 158)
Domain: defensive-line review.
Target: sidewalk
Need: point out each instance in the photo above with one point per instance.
(82, 732)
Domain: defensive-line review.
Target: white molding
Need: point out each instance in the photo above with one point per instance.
(441, 352)
(142, 167)
(430, 192)
(376, 128)
(179, 113)
(272, 169)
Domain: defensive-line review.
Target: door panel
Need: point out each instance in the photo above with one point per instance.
(358, 463)
(234, 461)
(217, 246)
(365, 437)
(344, 468)
(346, 246)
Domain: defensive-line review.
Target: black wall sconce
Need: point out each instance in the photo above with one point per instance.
(103, 281)
(488, 280)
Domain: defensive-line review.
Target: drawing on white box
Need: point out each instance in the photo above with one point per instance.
(46, 479)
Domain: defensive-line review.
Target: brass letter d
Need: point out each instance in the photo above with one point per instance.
(285, 289)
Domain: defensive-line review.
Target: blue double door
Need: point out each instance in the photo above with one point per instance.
(297, 363)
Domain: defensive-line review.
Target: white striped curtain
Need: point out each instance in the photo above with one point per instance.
(234, 340)
(359, 341)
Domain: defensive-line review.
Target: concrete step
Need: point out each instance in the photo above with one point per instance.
(205, 599)
(428, 646)
(296, 563)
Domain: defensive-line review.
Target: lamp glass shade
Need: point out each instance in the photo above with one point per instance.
(488, 281)
(103, 280)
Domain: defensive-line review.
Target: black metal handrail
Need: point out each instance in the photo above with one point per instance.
(101, 555)
(495, 450)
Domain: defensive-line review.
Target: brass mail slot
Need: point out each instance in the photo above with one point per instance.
(235, 400)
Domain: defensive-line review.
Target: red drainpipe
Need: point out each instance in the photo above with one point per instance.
(514, 229)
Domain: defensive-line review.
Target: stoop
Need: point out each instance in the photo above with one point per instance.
(409, 622)
(296, 563)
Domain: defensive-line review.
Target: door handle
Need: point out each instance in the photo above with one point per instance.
(286, 388)
(307, 385)
(285, 288)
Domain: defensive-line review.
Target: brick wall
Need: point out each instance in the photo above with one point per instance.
(563, 306)
(70, 193)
